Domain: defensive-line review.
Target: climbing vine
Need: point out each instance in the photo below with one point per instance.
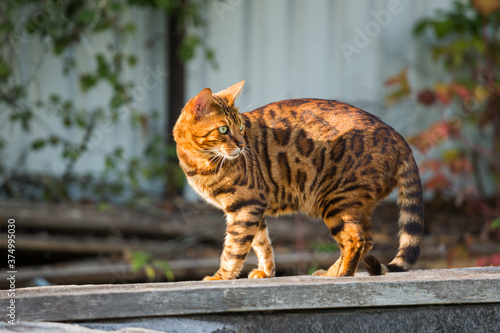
(61, 27)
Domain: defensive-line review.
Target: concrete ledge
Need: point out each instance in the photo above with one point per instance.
(475, 289)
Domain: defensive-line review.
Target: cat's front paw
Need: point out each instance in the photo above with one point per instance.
(212, 278)
(258, 274)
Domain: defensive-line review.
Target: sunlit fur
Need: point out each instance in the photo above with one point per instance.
(324, 158)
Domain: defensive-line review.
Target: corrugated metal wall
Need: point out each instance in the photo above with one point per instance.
(42, 74)
(333, 49)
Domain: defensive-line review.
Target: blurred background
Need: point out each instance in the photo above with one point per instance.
(90, 91)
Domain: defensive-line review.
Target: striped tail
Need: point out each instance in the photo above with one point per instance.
(411, 222)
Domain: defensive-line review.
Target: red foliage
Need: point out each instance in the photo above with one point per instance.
(427, 97)
(435, 135)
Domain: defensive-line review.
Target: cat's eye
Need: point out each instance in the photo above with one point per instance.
(242, 127)
(223, 129)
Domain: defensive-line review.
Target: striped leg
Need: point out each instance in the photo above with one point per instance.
(262, 246)
(243, 221)
(367, 229)
(349, 234)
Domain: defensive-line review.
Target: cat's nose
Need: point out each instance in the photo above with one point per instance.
(241, 144)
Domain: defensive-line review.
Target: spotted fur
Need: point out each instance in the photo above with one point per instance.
(324, 158)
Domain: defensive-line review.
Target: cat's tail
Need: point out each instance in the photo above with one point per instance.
(411, 222)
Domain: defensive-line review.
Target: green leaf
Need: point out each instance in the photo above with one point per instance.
(312, 269)
(24, 117)
(150, 272)
(81, 121)
(132, 60)
(103, 206)
(38, 144)
(118, 153)
(210, 56)
(421, 26)
(451, 154)
(87, 16)
(495, 224)
(70, 153)
(479, 44)
(139, 260)
(165, 4)
(115, 6)
(87, 81)
(109, 163)
(325, 247)
(130, 28)
(165, 267)
(4, 70)
(187, 48)
(67, 106)
(6, 27)
(118, 100)
(442, 28)
(54, 98)
(31, 27)
(54, 140)
(67, 122)
(103, 68)
(117, 188)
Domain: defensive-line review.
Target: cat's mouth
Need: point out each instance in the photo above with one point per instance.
(230, 153)
(233, 153)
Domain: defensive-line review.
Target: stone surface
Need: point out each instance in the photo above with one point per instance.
(457, 318)
(440, 299)
(64, 328)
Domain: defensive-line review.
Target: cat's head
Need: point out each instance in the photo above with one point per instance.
(210, 125)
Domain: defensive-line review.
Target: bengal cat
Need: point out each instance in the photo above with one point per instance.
(324, 158)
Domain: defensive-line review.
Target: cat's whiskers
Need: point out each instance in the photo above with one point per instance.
(228, 152)
(249, 105)
(249, 151)
(218, 162)
(206, 151)
(222, 163)
(244, 153)
(211, 161)
(220, 155)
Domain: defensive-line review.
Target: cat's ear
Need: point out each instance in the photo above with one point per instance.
(202, 101)
(232, 92)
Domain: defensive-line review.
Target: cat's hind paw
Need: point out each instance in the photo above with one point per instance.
(258, 274)
(320, 272)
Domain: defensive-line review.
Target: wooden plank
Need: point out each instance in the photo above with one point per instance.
(199, 220)
(426, 287)
(105, 271)
(85, 218)
(68, 244)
